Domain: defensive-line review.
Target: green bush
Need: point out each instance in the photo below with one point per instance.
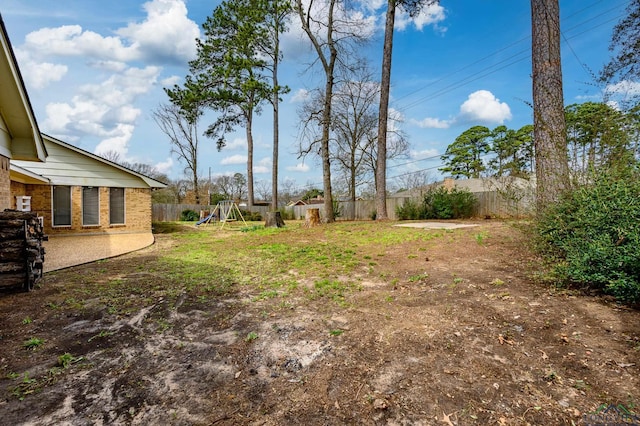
(456, 203)
(410, 210)
(439, 203)
(593, 235)
(189, 215)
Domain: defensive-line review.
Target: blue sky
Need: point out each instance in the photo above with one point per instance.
(95, 71)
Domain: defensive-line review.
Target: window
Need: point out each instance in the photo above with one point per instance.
(90, 206)
(116, 206)
(61, 206)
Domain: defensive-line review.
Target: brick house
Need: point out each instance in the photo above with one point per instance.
(19, 134)
(76, 192)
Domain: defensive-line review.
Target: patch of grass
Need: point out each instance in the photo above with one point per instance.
(27, 320)
(33, 343)
(251, 336)
(480, 237)
(65, 360)
(267, 294)
(103, 333)
(417, 278)
(497, 282)
(335, 290)
(251, 228)
(336, 332)
(26, 387)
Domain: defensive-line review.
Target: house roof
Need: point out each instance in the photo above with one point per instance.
(19, 174)
(19, 134)
(474, 185)
(69, 165)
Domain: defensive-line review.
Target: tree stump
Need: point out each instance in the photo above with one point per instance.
(274, 220)
(311, 218)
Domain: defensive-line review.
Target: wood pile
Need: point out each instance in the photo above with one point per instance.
(21, 250)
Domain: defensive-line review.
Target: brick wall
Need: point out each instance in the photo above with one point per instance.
(17, 188)
(5, 184)
(137, 211)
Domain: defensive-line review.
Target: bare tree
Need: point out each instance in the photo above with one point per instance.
(396, 147)
(354, 123)
(263, 189)
(183, 136)
(549, 127)
(329, 31)
(413, 180)
(288, 190)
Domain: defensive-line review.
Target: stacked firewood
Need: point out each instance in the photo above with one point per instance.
(21, 250)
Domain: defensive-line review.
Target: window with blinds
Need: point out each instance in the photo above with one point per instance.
(116, 206)
(61, 205)
(90, 206)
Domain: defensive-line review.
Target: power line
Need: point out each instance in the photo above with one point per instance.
(514, 58)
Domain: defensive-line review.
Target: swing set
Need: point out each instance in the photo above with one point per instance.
(225, 211)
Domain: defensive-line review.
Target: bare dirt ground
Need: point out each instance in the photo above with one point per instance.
(456, 333)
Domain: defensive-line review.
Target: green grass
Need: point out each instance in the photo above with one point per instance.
(33, 343)
(206, 263)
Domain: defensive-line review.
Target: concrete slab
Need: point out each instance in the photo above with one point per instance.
(436, 225)
(63, 251)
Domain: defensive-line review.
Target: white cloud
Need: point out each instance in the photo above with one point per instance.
(425, 153)
(483, 106)
(164, 166)
(104, 110)
(432, 123)
(169, 82)
(300, 95)
(234, 159)
(117, 142)
(237, 144)
(300, 167)
(39, 75)
(112, 66)
(362, 22)
(263, 166)
(624, 88)
(430, 15)
(71, 40)
(166, 35)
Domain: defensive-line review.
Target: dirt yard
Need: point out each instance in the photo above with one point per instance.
(394, 327)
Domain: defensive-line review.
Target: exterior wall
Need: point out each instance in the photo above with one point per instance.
(137, 210)
(17, 188)
(5, 184)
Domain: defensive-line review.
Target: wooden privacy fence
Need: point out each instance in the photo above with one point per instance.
(490, 203)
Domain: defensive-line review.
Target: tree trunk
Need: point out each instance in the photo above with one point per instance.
(549, 127)
(250, 199)
(311, 218)
(385, 83)
(328, 65)
(274, 220)
(276, 125)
